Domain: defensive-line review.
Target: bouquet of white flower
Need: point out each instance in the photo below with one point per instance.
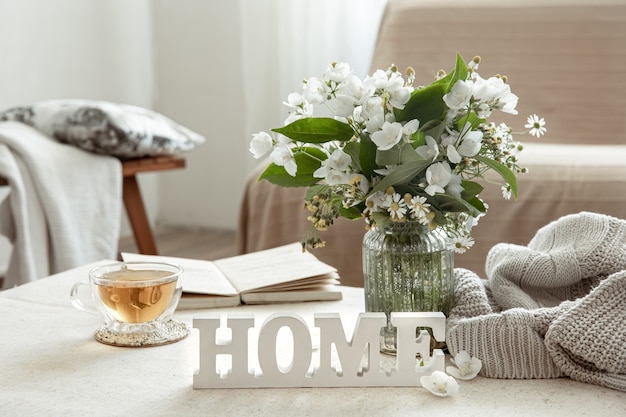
(389, 151)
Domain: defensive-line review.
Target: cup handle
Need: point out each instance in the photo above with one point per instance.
(77, 302)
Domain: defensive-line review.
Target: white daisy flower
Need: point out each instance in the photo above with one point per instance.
(536, 125)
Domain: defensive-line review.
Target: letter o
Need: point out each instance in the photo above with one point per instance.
(302, 347)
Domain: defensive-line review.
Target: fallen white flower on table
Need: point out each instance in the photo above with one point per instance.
(467, 367)
(440, 384)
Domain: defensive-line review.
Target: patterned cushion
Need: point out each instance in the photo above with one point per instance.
(120, 130)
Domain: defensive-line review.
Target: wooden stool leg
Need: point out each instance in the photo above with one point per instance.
(137, 216)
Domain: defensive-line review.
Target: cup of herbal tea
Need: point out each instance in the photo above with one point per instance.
(136, 300)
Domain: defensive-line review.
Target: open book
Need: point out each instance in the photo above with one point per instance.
(278, 275)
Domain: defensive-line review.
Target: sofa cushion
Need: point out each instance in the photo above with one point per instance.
(120, 130)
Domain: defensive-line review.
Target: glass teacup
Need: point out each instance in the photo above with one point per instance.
(137, 300)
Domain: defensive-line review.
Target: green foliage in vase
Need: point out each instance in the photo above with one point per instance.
(390, 151)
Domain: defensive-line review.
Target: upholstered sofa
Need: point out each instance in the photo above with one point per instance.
(565, 59)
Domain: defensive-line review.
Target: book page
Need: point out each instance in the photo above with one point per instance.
(269, 267)
(199, 276)
(320, 293)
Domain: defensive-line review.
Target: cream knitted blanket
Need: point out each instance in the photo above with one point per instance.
(554, 308)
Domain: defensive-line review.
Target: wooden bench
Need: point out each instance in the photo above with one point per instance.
(133, 202)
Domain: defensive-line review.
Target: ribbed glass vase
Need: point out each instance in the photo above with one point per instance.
(407, 267)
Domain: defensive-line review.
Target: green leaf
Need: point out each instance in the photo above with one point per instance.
(308, 161)
(435, 129)
(478, 204)
(460, 71)
(317, 130)
(367, 156)
(425, 104)
(397, 155)
(449, 203)
(507, 175)
(381, 219)
(402, 174)
(354, 149)
(470, 189)
(352, 213)
(315, 190)
(472, 118)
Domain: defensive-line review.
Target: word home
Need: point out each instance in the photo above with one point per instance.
(237, 360)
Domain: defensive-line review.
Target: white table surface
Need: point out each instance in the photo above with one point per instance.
(51, 365)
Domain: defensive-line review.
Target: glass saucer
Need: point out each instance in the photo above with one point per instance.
(169, 332)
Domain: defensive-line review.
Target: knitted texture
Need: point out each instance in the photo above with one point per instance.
(509, 344)
(563, 261)
(588, 342)
(528, 319)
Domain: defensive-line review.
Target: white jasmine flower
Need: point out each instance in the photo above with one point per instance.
(283, 139)
(454, 186)
(373, 107)
(389, 135)
(343, 105)
(339, 160)
(283, 156)
(495, 92)
(508, 103)
(399, 94)
(410, 127)
(315, 90)
(261, 144)
(353, 87)
(536, 125)
(395, 81)
(459, 96)
(337, 72)
(336, 177)
(294, 100)
(471, 143)
(306, 110)
(438, 176)
(440, 384)
(467, 367)
(378, 80)
(375, 123)
(399, 97)
(430, 150)
(452, 154)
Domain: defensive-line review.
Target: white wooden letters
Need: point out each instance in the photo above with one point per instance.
(285, 354)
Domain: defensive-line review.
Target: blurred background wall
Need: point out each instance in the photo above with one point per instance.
(221, 68)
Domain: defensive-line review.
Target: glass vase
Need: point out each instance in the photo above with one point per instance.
(406, 267)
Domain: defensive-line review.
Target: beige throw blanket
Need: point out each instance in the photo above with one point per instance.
(554, 308)
(64, 205)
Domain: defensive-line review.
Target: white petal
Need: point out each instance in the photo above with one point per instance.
(453, 154)
(440, 384)
(261, 144)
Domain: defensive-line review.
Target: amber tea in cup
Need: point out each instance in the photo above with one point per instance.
(136, 300)
(130, 302)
